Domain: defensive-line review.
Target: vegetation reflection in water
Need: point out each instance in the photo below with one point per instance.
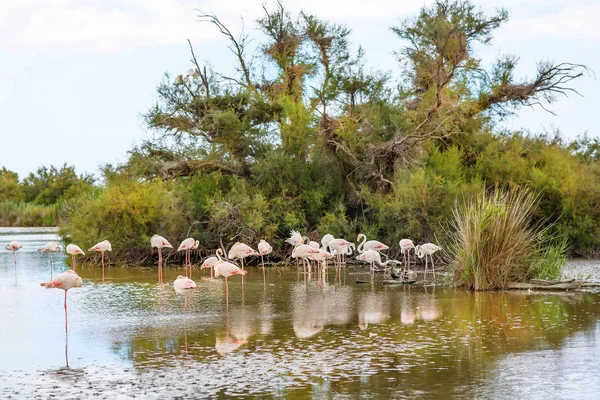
(291, 334)
(295, 338)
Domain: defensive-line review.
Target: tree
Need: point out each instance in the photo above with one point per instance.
(10, 190)
(49, 185)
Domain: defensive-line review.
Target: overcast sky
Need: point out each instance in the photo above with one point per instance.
(76, 75)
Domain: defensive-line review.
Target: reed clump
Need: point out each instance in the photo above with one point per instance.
(494, 241)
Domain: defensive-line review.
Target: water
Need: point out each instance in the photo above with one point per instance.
(132, 337)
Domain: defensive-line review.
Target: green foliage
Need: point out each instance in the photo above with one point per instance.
(127, 213)
(10, 190)
(492, 242)
(51, 185)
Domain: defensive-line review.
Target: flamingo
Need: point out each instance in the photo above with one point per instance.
(325, 241)
(369, 245)
(405, 246)
(227, 269)
(14, 247)
(160, 242)
(51, 247)
(73, 250)
(241, 251)
(183, 285)
(372, 257)
(187, 245)
(210, 262)
(65, 281)
(102, 247)
(339, 246)
(264, 249)
(295, 239)
(425, 250)
(302, 251)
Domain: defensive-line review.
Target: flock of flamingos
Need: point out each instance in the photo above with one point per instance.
(303, 249)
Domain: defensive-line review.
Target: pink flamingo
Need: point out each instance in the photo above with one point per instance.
(183, 285)
(73, 250)
(264, 249)
(405, 246)
(340, 247)
(14, 247)
(210, 262)
(227, 269)
(65, 281)
(241, 251)
(325, 241)
(160, 242)
(187, 245)
(295, 238)
(302, 251)
(369, 245)
(102, 247)
(51, 247)
(425, 250)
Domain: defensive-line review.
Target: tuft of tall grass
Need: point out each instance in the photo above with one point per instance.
(28, 214)
(493, 241)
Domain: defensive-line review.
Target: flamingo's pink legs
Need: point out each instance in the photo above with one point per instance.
(159, 265)
(264, 276)
(66, 318)
(227, 291)
(15, 256)
(102, 252)
(50, 265)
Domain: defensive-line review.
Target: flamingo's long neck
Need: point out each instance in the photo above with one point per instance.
(362, 243)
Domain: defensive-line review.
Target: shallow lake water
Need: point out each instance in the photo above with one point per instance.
(133, 338)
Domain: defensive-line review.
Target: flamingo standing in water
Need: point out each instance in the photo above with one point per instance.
(227, 269)
(425, 250)
(405, 246)
(340, 247)
(187, 245)
(183, 285)
(73, 250)
(295, 238)
(303, 251)
(241, 251)
(65, 281)
(51, 247)
(101, 248)
(14, 247)
(160, 242)
(264, 249)
(210, 262)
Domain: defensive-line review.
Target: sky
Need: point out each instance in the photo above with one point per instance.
(76, 76)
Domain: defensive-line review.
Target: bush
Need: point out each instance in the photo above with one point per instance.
(493, 241)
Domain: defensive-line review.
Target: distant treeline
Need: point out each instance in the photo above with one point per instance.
(305, 137)
(36, 199)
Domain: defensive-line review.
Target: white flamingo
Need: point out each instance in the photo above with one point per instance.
(425, 250)
(405, 246)
(73, 250)
(227, 269)
(187, 245)
(102, 247)
(239, 251)
(65, 281)
(14, 246)
(325, 241)
(160, 243)
(51, 247)
(210, 262)
(369, 245)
